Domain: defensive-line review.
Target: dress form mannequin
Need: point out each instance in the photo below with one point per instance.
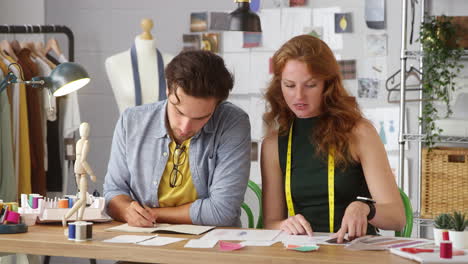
(82, 168)
(120, 71)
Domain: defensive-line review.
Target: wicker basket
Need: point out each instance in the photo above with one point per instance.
(444, 181)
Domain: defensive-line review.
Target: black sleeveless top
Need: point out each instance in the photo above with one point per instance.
(309, 179)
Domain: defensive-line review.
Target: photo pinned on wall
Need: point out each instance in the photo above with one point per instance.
(198, 22)
(373, 66)
(368, 88)
(191, 42)
(293, 3)
(252, 39)
(210, 42)
(386, 121)
(314, 31)
(219, 21)
(343, 23)
(377, 44)
(348, 69)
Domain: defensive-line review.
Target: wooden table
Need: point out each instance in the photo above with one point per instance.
(50, 240)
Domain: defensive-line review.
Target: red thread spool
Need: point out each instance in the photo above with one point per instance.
(445, 235)
(446, 249)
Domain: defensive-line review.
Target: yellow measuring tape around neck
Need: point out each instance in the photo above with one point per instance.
(331, 182)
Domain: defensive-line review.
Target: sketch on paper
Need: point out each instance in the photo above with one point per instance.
(377, 44)
(210, 42)
(386, 122)
(368, 88)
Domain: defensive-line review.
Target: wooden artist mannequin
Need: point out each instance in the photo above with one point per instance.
(82, 168)
(120, 71)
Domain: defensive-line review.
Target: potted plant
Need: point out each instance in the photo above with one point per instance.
(442, 222)
(457, 234)
(441, 65)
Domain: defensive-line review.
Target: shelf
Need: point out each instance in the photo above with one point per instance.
(411, 54)
(443, 139)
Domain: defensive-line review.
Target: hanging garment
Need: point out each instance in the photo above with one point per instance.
(8, 190)
(22, 155)
(136, 76)
(34, 104)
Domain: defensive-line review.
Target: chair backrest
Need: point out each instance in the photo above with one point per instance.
(406, 232)
(248, 210)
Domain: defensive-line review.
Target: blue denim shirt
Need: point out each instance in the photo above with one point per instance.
(219, 161)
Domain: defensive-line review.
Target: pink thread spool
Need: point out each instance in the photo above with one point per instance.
(12, 217)
(446, 249)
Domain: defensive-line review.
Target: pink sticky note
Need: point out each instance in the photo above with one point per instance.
(228, 246)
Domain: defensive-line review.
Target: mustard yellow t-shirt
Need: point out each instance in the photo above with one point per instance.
(185, 191)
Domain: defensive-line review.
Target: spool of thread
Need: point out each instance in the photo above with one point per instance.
(445, 235)
(80, 233)
(89, 231)
(71, 231)
(446, 249)
(70, 202)
(12, 217)
(63, 203)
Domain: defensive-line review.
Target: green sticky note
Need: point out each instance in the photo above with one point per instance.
(305, 248)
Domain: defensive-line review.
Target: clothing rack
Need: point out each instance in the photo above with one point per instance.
(40, 29)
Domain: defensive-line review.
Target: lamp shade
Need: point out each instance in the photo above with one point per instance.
(66, 78)
(243, 19)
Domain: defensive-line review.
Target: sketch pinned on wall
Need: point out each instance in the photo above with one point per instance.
(191, 42)
(255, 5)
(348, 69)
(368, 88)
(325, 18)
(210, 42)
(198, 22)
(373, 67)
(386, 122)
(252, 39)
(314, 31)
(343, 23)
(376, 44)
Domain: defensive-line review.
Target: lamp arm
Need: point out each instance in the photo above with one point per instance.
(11, 78)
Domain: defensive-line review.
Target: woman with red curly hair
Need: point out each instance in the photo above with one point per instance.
(323, 163)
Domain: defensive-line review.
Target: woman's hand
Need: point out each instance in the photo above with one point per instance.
(354, 221)
(296, 225)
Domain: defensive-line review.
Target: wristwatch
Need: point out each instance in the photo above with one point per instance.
(371, 205)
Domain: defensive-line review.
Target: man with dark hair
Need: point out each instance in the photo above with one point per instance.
(184, 160)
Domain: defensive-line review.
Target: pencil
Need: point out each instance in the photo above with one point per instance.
(134, 196)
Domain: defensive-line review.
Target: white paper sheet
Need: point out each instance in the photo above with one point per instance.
(257, 109)
(160, 241)
(232, 41)
(259, 71)
(241, 234)
(293, 22)
(128, 239)
(271, 22)
(386, 121)
(257, 243)
(376, 44)
(325, 18)
(373, 68)
(201, 243)
(238, 64)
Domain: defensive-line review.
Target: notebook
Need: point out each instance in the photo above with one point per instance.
(163, 228)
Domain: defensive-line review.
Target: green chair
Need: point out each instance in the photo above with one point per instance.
(406, 232)
(250, 216)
